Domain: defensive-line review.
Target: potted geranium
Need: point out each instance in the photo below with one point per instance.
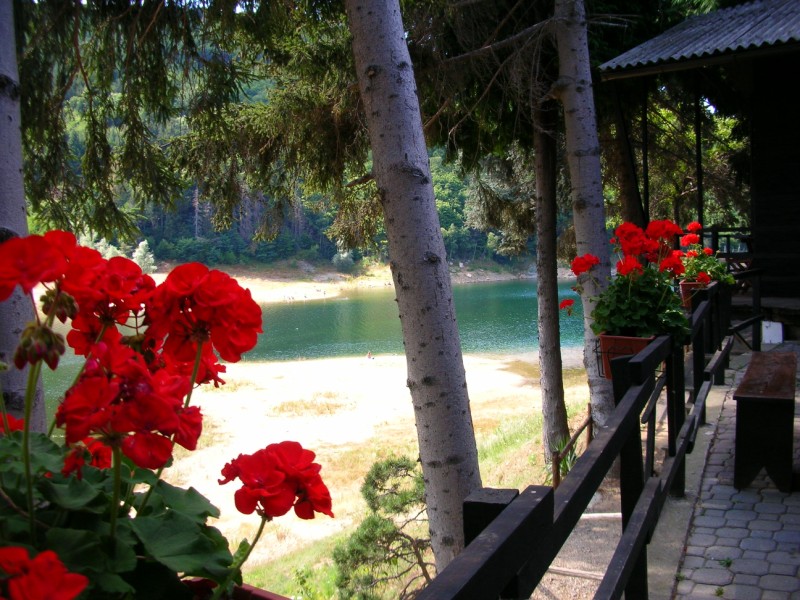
(701, 265)
(640, 301)
(84, 512)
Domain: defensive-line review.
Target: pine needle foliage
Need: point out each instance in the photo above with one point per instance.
(388, 553)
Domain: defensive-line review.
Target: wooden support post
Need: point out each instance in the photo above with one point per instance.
(555, 468)
(724, 307)
(482, 507)
(757, 311)
(676, 412)
(631, 476)
(700, 346)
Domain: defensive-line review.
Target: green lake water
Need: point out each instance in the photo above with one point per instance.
(497, 317)
(493, 318)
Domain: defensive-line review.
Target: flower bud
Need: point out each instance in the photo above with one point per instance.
(59, 303)
(39, 342)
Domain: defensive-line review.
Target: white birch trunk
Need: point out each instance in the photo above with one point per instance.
(17, 311)
(436, 376)
(574, 90)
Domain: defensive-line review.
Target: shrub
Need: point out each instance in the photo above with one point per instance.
(388, 554)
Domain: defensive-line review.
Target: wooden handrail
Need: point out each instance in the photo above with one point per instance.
(510, 556)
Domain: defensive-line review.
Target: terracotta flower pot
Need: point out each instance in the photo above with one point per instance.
(613, 346)
(688, 288)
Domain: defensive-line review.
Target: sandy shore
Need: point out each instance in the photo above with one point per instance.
(350, 411)
(307, 282)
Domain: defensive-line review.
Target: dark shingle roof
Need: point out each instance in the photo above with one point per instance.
(714, 36)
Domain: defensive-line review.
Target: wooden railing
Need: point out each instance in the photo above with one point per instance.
(513, 537)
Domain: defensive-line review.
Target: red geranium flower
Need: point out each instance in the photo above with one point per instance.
(694, 227)
(663, 230)
(581, 264)
(275, 479)
(632, 239)
(703, 278)
(14, 424)
(629, 264)
(673, 264)
(567, 305)
(195, 305)
(28, 262)
(42, 578)
(689, 239)
(99, 456)
(708, 251)
(108, 290)
(119, 401)
(147, 449)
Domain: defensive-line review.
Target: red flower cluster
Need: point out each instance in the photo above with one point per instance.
(99, 456)
(277, 478)
(582, 264)
(131, 392)
(701, 263)
(567, 305)
(651, 245)
(122, 402)
(694, 227)
(690, 239)
(14, 424)
(42, 578)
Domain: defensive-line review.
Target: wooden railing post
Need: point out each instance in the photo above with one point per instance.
(676, 411)
(631, 476)
(698, 355)
(757, 311)
(724, 300)
(482, 507)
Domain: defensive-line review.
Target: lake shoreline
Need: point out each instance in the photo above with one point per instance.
(304, 281)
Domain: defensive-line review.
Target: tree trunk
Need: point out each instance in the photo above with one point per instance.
(554, 411)
(17, 311)
(196, 206)
(436, 376)
(574, 90)
(623, 163)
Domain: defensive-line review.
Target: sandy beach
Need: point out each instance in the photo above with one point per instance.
(350, 411)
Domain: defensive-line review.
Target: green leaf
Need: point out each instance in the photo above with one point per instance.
(80, 550)
(188, 502)
(46, 455)
(137, 475)
(181, 544)
(241, 551)
(112, 584)
(74, 494)
(123, 557)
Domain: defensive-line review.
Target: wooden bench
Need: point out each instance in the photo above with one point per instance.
(765, 419)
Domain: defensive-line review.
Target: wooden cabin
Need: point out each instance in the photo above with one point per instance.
(756, 48)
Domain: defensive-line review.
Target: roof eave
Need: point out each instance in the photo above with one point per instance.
(686, 64)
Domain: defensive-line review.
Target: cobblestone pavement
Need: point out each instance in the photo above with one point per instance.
(742, 544)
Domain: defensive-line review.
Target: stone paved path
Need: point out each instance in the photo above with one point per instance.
(742, 544)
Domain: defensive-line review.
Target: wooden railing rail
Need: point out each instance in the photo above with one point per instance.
(508, 557)
(559, 455)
